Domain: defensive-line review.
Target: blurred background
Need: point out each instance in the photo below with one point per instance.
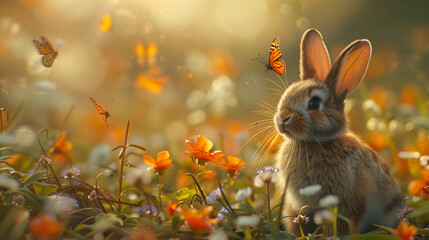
(181, 68)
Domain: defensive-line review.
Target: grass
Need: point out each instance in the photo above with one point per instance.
(203, 195)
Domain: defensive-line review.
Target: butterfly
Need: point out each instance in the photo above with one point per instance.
(151, 80)
(45, 48)
(106, 23)
(274, 61)
(145, 55)
(101, 111)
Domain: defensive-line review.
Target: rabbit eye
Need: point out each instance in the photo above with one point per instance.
(314, 103)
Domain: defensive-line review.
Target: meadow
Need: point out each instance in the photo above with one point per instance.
(154, 120)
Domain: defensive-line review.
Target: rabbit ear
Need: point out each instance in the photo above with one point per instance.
(350, 67)
(315, 62)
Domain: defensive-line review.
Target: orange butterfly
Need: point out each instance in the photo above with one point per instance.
(106, 23)
(45, 48)
(101, 111)
(145, 54)
(274, 61)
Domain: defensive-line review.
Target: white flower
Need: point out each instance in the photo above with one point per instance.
(72, 172)
(61, 206)
(408, 155)
(324, 216)
(310, 190)
(329, 201)
(259, 203)
(25, 136)
(424, 161)
(376, 124)
(214, 196)
(92, 195)
(43, 160)
(265, 175)
(8, 182)
(245, 221)
(141, 173)
(301, 219)
(243, 194)
(372, 106)
(218, 235)
(132, 196)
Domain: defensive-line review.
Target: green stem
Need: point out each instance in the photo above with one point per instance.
(268, 201)
(124, 149)
(300, 229)
(335, 210)
(55, 175)
(224, 197)
(199, 187)
(159, 196)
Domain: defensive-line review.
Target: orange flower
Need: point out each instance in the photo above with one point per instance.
(143, 233)
(182, 180)
(422, 142)
(198, 219)
(172, 207)
(202, 150)
(420, 186)
(383, 97)
(162, 161)
(209, 174)
(232, 164)
(45, 227)
(409, 96)
(60, 148)
(378, 140)
(15, 159)
(405, 231)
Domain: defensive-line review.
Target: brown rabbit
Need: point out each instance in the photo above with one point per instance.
(320, 149)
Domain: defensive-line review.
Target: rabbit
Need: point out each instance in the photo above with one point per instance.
(320, 149)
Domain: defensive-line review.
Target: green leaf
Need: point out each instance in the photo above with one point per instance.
(386, 229)
(104, 221)
(421, 210)
(375, 236)
(6, 169)
(184, 193)
(9, 149)
(424, 232)
(14, 222)
(4, 158)
(274, 233)
(17, 175)
(44, 189)
(176, 222)
(31, 179)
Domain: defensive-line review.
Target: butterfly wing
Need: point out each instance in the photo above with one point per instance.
(152, 51)
(274, 60)
(100, 110)
(48, 59)
(279, 67)
(44, 47)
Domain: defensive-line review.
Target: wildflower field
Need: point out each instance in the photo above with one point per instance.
(154, 119)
